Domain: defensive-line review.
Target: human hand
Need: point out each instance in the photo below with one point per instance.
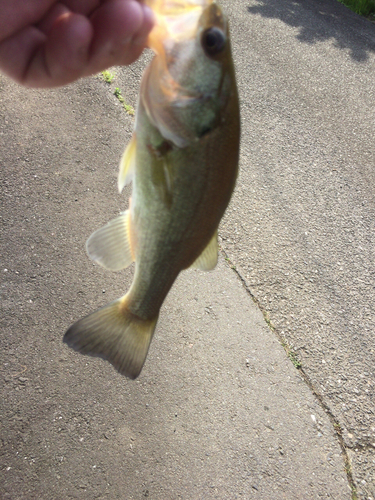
(46, 43)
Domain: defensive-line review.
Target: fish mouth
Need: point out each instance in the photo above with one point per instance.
(176, 20)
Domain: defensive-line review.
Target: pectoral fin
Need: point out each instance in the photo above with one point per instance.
(127, 164)
(208, 258)
(110, 245)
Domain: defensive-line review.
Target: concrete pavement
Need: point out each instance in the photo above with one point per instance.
(304, 209)
(219, 410)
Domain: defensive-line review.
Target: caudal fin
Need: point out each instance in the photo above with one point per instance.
(115, 334)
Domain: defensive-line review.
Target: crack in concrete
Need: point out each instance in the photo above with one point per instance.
(335, 423)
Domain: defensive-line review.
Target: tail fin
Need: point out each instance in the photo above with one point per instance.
(115, 334)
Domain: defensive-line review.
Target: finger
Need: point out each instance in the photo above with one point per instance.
(117, 24)
(37, 60)
(147, 25)
(85, 7)
(17, 51)
(66, 52)
(55, 12)
(18, 14)
(65, 46)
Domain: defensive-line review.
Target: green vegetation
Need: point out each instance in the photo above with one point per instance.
(362, 7)
(294, 359)
(338, 428)
(354, 492)
(266, 317)
(129, 109)
(107, 76)
(348, 470)
(292, 355)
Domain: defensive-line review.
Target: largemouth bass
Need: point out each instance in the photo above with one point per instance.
(182, 160)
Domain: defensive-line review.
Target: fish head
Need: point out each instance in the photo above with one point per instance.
(189, 82)
(175, 19)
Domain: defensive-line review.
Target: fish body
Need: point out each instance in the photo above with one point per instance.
(182, 160)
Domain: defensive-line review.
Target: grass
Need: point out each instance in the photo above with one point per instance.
(348, 470)
(363, 7)
(129, 109)
(294, 359)
(292, 355)
(338, 428)
(107, 76)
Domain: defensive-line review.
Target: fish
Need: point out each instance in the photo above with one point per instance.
(182, 161)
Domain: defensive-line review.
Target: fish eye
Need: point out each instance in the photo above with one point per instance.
(213, 41)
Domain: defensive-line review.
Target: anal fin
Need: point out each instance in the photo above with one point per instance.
(208, 258)
(110, 245)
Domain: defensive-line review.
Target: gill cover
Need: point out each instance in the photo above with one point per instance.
(190, 42)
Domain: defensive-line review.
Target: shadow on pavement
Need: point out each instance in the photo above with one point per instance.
(323, 20)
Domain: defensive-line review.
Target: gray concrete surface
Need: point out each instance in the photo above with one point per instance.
(304, 239)
(219, 411)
